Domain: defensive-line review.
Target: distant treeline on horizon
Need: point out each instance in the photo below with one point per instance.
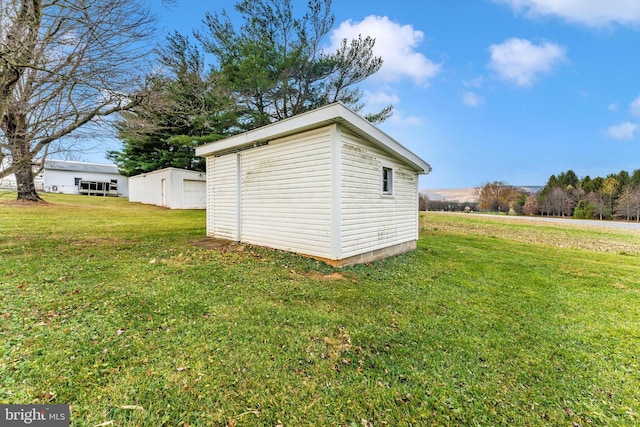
(616, 196)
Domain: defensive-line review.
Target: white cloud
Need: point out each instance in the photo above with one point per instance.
(472, 99)
(625, 130)
(520, 61)
(395, 43)
(593, 13)
(634, 107)
(476, 83)
(613, 106)
(381, 98)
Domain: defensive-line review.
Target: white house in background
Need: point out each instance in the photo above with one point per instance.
(64, 176)
(326, 183)
(172, 188)
(68, 177)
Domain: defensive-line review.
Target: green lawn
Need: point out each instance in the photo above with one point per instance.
(109, 307)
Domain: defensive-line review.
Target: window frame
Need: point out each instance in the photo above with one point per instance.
(386, 180)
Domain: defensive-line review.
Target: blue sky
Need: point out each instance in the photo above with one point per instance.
(485, 90)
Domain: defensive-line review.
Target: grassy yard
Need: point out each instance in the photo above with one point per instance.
(109, 307)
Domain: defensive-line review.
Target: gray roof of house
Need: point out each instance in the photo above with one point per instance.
(66, 165)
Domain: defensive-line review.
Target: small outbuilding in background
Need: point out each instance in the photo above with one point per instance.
(172, 188)
(326, 183)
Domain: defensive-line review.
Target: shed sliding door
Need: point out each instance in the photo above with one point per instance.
(223, 221)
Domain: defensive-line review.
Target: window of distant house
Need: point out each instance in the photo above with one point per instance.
(76, 181)
(387, 180)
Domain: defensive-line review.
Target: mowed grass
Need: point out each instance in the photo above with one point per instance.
(109, 307)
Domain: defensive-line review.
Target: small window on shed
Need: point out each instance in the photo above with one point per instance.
(387, 180)
(76, 181)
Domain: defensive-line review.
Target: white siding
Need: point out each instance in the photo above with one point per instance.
(63, 181)
(286, 194)
(369, 219)
(209, 218)
(172, 188)
(146, 188)
(222, 219)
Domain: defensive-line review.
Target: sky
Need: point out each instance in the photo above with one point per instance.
(492, 90)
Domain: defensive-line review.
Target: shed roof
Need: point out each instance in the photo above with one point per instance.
(170, 170)
(66, 165)
(323, 116)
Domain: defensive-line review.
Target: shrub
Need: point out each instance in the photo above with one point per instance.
(584, 210)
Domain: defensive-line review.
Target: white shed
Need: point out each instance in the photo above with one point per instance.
(63, 176)
(326, 183)
(172, 188)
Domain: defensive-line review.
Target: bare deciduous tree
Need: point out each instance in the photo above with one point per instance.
(64, 64)
(423, 202)
(497, 196)
(561, 201)
(628, 204)
(531, 205)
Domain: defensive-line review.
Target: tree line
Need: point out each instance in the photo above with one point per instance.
(426, 204)
(67, 65)
(615, 196)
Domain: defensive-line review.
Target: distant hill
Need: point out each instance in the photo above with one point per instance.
(531, 189)
(462, 195)
(467, 195)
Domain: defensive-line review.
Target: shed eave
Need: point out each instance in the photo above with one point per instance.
(169, 170)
